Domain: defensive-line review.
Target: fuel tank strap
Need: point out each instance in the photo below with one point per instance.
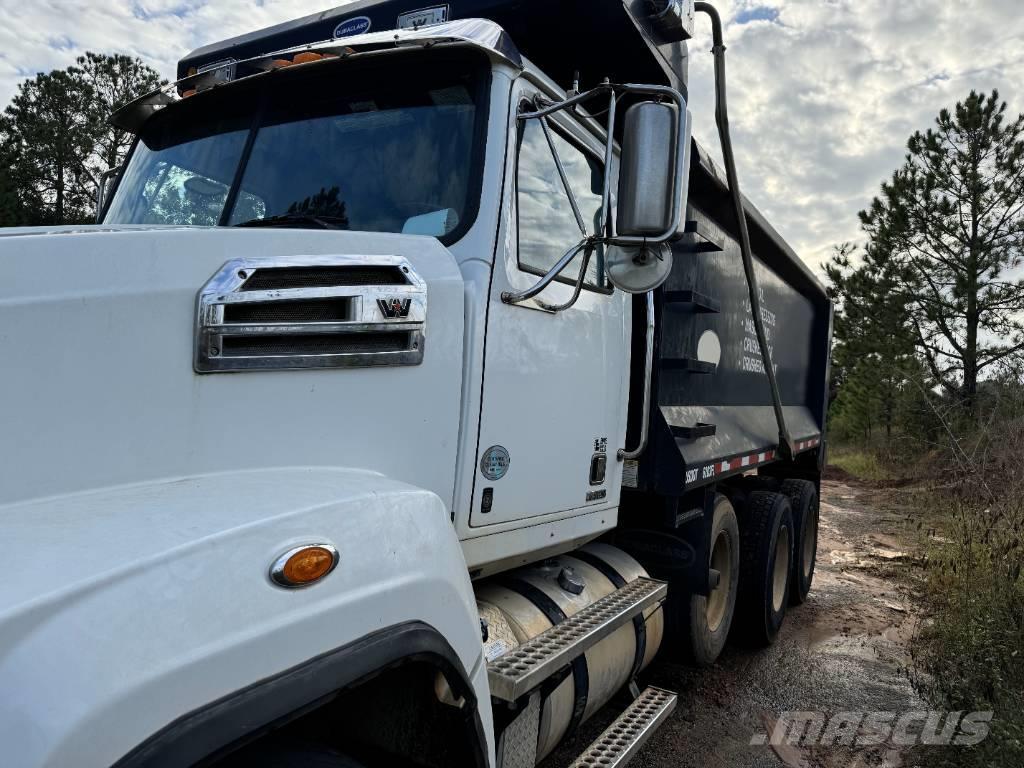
(554, 614)
(639, 622)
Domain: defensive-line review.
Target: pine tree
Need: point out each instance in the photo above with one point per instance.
(57, 140)
(875, 347)
(113, 81)
(951, 222)
(50, 132)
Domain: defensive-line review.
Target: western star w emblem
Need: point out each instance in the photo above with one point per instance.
(394, 308)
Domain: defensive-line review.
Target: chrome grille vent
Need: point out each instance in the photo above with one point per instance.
(315, 344)
(271, 278)
(302, 311)
(311, 312)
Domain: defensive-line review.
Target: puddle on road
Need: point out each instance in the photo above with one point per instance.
(861, 613)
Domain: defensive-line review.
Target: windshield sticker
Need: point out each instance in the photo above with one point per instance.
(424, 17)
(354, 26)
(494, 463)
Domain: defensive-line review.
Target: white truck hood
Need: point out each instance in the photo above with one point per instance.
(98, 389)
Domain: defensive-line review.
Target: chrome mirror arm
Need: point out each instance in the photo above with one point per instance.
(515, 298)
(565, 179)
(579, 285)
(614, 91)
(560, 105)
(607, 220)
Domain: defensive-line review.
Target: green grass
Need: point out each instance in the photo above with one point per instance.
(860, 463)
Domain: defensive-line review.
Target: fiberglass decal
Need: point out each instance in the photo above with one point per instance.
(354, 26)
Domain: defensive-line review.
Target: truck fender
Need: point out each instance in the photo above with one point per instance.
(155, 603)
(251, 711)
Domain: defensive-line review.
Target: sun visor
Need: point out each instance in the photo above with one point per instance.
(628, 41)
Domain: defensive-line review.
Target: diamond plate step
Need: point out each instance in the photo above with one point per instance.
(624, 738)
(520, 670)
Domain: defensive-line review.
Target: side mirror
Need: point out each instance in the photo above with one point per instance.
(653, 171)
(650, 136)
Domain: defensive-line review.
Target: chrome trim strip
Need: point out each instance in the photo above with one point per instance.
(225, 289)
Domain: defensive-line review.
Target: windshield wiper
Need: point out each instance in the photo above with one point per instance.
(297, 220)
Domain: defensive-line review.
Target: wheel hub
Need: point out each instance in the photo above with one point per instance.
(810, 541)
(718, 600)
(781, 571)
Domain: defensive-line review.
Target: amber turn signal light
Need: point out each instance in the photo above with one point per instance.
(304, 565)
(306, 57)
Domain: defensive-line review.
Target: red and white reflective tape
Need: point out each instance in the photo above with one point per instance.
(742, 463)
(803, 445)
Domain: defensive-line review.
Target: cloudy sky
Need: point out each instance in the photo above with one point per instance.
(823, 93)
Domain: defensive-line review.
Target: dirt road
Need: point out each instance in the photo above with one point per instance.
(841, 651)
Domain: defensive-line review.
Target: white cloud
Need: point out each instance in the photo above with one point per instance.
(823, 93)
(823, 99)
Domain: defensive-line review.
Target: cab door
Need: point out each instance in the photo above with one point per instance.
(555, 384)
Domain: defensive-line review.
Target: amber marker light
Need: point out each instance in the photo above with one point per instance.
(303, 566)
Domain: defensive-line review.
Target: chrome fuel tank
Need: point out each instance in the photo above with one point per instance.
(520, 604)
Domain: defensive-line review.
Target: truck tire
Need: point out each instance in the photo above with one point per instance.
(803, 498)
(766, 556)
(709, 618)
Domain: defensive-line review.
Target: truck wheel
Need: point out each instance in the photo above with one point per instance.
(803, 498)
(766, 555)
(709, 618)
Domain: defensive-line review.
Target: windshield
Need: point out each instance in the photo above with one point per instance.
(380, 150)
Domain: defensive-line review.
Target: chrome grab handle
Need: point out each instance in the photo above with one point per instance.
(645, 417)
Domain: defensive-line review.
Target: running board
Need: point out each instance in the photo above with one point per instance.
(630, 731)
(520, 670)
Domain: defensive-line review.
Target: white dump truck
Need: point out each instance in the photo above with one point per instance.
(421, 381)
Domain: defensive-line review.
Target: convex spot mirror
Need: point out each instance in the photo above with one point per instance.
(651, 196)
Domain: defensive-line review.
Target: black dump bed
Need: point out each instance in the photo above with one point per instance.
(711, 413)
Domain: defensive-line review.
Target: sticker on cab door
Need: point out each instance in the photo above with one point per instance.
(494, 463)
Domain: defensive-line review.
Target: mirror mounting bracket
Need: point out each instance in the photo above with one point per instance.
(540, 109)
(588, 244)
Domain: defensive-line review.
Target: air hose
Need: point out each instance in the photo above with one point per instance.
(722, 120)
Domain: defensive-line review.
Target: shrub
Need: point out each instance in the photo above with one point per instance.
(969, 655)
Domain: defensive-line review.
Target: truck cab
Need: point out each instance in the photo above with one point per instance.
(423, 153)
